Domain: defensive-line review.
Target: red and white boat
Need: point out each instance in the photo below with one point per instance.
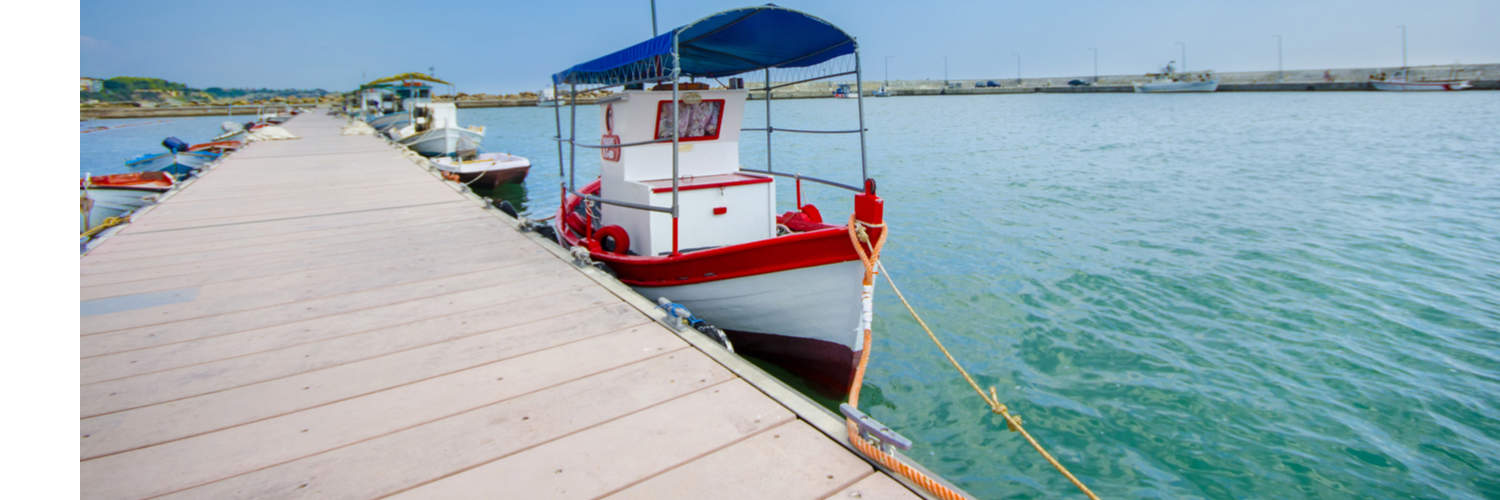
(675, 216)
(1399, 83)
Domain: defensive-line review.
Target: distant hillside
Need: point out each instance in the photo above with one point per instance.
(130, 89)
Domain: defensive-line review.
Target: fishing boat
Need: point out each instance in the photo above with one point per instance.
(1169, 81)
(434, 131)
(882, 92)
(843, 92)
(675, 216)
(1399, 83)
(485, 170)
(108, 196)
(177, 160)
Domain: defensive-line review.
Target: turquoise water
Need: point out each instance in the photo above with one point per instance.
(1254, 295)
(1230, 295)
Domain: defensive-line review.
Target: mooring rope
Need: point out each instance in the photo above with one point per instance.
(108, 222)
(871, 259)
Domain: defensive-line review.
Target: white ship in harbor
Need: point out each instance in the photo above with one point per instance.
(1169, 81)
(1400, 83)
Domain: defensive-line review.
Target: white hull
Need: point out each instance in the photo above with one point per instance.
(444, 141)
(108, 202)
(1421, 86)
(1175, 87)
(816, 303)
(483, 163)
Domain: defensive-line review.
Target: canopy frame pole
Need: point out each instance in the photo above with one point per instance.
(859, 93)
(572, 134)
(768, 120)
(557, 120)
(676, 139)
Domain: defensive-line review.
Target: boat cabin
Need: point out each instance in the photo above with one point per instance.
(720, 205)
(408, 94)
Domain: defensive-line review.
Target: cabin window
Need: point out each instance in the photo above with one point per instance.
(695, 122)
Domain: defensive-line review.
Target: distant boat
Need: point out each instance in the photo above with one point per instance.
(843, 92)
(486, 170)
(1168, 86)
(1170, 81)
(106, 196)
(1399, 83)
(434, 131)
(883, 92)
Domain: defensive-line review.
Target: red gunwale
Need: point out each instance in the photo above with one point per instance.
(141, 181)
(707, 182)
(829, 245)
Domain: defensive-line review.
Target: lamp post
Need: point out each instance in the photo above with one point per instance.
(1280, 74)
(1096, 64)
(1184, 56)
(1403, 45)
(945, 74)
(888, 70)
(1018, 68)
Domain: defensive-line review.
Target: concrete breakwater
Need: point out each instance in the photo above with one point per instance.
(1481, 76)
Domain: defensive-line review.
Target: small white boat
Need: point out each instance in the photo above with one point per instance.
(485, 170)
(1171, 86)
(1170, 81)
(108, 196)
(434, 131)
(1399, 83)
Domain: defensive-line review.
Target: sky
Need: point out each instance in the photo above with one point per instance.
(509, 46)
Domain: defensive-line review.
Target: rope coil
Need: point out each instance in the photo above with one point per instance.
(860, 238)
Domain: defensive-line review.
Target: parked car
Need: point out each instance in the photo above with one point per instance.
(987, 83)
(1078, 83)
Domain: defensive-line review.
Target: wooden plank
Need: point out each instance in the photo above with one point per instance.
(370, 302)
(192, 462)
(600, 459)
(288, 260)
(151, 425)
(200, 350)
(168, 265)
(158, 387)
(427, 452)
(788, 461)
(131, 249)
(874, 486)
(242, 295)
(460, 256)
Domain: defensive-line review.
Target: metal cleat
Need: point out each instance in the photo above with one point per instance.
(872, 429)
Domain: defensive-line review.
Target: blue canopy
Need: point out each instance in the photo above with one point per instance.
(727, 43)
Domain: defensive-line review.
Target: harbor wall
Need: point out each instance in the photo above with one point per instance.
(1481, 76)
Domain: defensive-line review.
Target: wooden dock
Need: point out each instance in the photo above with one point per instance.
(324, 318)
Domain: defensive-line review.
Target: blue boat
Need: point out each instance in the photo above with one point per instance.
(177, 161)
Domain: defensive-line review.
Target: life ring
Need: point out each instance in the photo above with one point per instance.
(621, 240)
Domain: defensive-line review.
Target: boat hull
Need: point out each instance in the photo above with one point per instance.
(805, 320)
(1176, 87)
(1420, 86)
(177, 164)
(444, 141)
(488, 170)
(104, 203)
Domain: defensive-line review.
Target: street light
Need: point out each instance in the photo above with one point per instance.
(1096, 64)
(1018, 68)
(1403, 45)
(888, 70)
(1280, 74)
(1184, 56)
